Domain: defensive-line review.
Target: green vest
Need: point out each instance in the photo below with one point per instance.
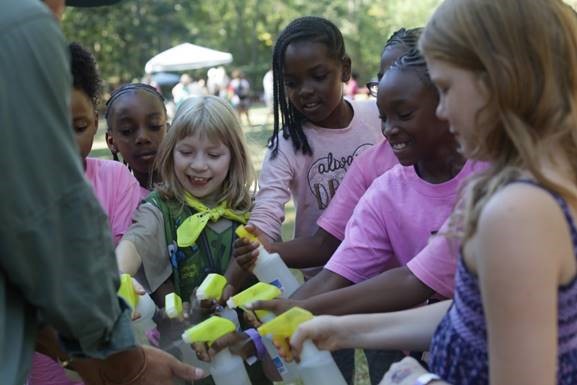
(190, 265)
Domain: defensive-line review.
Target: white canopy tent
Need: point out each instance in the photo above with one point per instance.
(185, 57)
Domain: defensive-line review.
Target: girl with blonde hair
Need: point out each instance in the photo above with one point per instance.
(184, 230)
(507, 75)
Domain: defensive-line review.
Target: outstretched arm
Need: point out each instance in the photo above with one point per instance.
(404, 330)
(307, 251)
(127, 257)
(395, 289)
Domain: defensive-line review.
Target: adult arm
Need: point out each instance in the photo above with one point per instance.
(54, 237)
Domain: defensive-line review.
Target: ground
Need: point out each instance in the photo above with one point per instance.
(256, 136)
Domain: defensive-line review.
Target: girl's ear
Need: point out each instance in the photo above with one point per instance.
(346, 74)
(110, 143)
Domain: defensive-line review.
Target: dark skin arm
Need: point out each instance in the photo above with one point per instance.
(297, 254)
(325, 281)
(307, 251)
(393, 290)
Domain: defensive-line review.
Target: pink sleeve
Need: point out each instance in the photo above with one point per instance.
(45, 371)
(128, 195)
(436, 264)
(273, 194)
(366, 250)
(335, 217)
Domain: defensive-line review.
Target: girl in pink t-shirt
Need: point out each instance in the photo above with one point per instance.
(406, 205)
(118, 192)
(137, 121)
(317, 133)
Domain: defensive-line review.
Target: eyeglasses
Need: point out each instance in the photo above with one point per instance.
(373, 87)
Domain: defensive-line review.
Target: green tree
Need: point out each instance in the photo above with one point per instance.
(125, 36)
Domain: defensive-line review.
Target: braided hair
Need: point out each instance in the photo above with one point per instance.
(407, 38)
(402, 39)
(123, 90)
(85, 76)
(415, 61)
(311, 29)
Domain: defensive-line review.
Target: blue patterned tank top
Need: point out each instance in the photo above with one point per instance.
(459, 347)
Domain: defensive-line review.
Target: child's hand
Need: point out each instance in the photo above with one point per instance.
(245, 253)
(277, 306)
(138, 289)
(238, 343)
(251, 319)
(227, 292)
(324, 331)
(405, 371)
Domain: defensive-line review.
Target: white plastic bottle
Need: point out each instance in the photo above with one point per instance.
(225, 368)
(211, 288)
(318, 367)
(142, 304)
(228, 369)
(270, 268)
(146, 308)
(263, 292)
(315, 367)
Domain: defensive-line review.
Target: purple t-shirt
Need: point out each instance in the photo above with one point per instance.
(394, 220)
(364, 170)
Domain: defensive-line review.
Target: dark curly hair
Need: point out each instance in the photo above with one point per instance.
(85, 76)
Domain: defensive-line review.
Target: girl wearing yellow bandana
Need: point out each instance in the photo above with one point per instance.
(185, 228)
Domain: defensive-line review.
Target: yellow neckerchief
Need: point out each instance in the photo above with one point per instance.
(189, 230)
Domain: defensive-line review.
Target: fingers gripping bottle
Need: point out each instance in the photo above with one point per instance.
(265, 292)
(316, 367)
(270, 268)
(211, 289)
(225, 368)
(142, 304)
(174, 310)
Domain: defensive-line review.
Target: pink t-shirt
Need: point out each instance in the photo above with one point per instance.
(364, 170)
(119, 193)
(394, 220)
(436, 264)
(312, 180)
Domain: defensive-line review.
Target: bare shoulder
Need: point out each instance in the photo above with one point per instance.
(523, 225)
(520, 204)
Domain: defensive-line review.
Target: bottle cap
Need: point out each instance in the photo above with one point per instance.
(241, 232)
(173, 306)
(258, 292)
(208, 331)
(285, 324)
(127, 292)
(211, 287)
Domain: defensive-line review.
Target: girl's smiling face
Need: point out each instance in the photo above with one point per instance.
(137, 126)
(407, 111)
(201, 166)
(314, 81)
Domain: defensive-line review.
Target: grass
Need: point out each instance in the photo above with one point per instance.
(256, 136)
